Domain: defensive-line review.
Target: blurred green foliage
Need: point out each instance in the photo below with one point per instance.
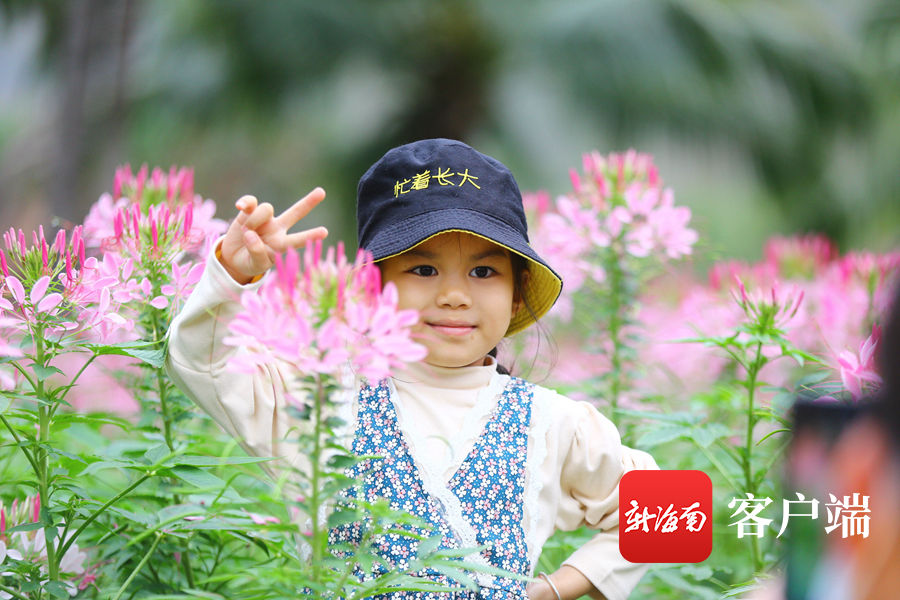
(776, 116)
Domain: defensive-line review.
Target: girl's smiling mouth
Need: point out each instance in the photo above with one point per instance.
(452, 328)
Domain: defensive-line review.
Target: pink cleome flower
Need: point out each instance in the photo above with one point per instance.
(153, 234)
(858, 371)
(54, 286)
(619, 199)
(156, 214)
(324, 315)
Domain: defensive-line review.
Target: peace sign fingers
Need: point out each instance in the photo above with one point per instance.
(299, 239)
(256, 235)
(300, 209)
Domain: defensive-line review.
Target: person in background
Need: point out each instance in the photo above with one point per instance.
(846, 450)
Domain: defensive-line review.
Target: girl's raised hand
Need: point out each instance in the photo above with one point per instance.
(256, 236)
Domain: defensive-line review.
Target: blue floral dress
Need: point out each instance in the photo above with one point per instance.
(489, 486)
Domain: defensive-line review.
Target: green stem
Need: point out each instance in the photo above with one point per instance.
(162, 391)
(734, 455)
(24, 374)
(317, 550)
(215, 563)
(718, 465)
(12, 592)
(43, 457)
(99, 512)
(140, 565)
(615, 328)
(28, 454)
(186, 561)
(164, 404)
(364, 543)
(75, 379)
(750, 486)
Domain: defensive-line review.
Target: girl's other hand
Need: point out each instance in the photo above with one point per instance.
(256, 236)
(568, 582)
(540, 590)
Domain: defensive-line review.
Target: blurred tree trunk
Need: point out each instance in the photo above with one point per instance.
(95, 34)
(70, 145)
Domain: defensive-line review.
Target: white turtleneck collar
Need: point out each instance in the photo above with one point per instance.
(448, 378)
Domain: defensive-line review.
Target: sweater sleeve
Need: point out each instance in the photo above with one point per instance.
(251, 408)
(591, 471)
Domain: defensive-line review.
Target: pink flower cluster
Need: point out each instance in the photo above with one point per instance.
(824, 302)
(151, 237)
(144, 250)
(53, 286)
(617, 206)
(151, 223)
(324, 315)
(157, 215)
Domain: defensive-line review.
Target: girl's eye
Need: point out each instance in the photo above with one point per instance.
(424, 271)
(482, 272)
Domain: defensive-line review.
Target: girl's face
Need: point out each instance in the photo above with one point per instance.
(462, 285)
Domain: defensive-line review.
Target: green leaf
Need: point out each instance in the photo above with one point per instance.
(43, 372)
(771, 433)
(198, 477)
(157, 454)
(342, 517)
(813, 379)
(92, 419)
(68, 455)
(202, 594)
(190, 593)
(57, 590)
(50, 532)
(682, 418)
(678, 582)
(457, 575)
(698, 572)
(155, 357)
(334, 422)
(179, 511)
(428, 546)
(215, 461)
(215, 524)
(25, 527)
(100, 465)
(342, 461)
(138, 517)
(709, 433)
(661, 435)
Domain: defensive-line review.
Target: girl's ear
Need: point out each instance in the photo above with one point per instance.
(519, 293)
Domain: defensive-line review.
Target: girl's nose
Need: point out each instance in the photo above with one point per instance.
(454, 294)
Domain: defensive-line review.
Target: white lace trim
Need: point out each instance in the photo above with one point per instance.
(473, 424)
(540, 425)
(433, 479)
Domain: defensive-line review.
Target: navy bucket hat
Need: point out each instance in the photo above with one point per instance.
(419, 190)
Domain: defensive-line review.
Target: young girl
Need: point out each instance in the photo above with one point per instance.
(495, 460)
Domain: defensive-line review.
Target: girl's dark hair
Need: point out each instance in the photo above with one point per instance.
(520, 274)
